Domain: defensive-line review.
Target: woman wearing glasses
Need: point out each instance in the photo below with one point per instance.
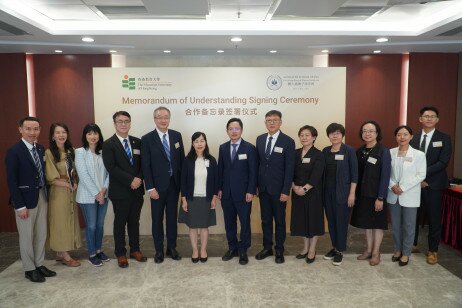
(369, 212)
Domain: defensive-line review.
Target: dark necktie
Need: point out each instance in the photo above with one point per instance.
(268, 148)
(233, 152)
(128, 151)
(38, 165)
(167, 151)
(423, 144)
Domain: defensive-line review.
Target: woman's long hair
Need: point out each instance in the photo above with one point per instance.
(192, 155)
(68, 149)
(95, 129)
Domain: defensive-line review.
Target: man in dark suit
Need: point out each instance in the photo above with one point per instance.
(437, 148)
(276, 154)
(163, 156)
(25, 167)
(121, 157)
(237, 177)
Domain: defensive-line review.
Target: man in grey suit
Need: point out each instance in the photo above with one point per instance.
(25, 166)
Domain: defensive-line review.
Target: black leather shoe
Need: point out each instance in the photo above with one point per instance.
(203, 260)
(45, 271)
(309, 261)
(172, 253)
(243, 259)
(395, 259)
(229, 255)
(279, 257)
(402, 263)
(159, 257)
(264, 254)
(301, 256)
(195, 260)
(34, 276)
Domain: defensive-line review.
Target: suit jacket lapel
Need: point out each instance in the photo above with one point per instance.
(160, 144)
(29, 156)
(119, 145)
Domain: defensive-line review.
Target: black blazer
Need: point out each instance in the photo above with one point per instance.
(121, 172)
(238, 177)
(438, 156)
(309, 172)
(275, 175)
(155, 163)
(22, 175)
(187, 179)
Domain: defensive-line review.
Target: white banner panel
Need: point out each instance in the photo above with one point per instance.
(205, 98)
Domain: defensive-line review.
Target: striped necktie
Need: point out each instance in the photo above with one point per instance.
(38, 165)
(268, 148)
(423, 145)
(128, 151)
(233, 153)
(167, 151)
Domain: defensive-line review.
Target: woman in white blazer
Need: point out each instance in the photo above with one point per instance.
(92, 191)
(408, 171)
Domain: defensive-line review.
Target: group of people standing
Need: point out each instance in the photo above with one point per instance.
(47, 186)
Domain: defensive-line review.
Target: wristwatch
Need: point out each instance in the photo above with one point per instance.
(380, 198)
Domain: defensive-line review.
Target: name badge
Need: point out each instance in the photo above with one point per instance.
(136, 152)
(177, 145)
(372, 160)
(437, 144)
(277, 149)
(306, 160)
(408, 159)
(242, 156)
(339, 156)
(207, 163)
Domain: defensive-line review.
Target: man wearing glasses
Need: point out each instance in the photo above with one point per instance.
(237, 178)
(437, 148)
(121, 157)
(276, 154)
(163, 156)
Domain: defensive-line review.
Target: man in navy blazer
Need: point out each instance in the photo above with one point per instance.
(237, 178)
(162, 158)
(437, 148)
(25, 168)
(276, 154)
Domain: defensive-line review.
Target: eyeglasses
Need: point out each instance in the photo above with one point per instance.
(162, 118)
(430, 117)
(120, 122)
(368, 131)
(234, 129)
(272, 121)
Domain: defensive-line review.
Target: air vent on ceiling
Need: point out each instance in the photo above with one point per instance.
(356, 11)
(454, 32)
(122, 10)
(4, 27)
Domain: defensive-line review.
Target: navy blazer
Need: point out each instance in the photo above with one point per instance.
(154, 161)
(438, 155)
(347, 171)
(276, 173)
(238, 177)
(22, 175)
(187, 179)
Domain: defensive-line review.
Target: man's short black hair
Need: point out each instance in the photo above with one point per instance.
(429, 108)
(273, 113)
(121, 113)
(21, 122)
(235, 120)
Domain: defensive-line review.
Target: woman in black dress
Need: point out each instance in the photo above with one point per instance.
(307, 215)
(369, 212)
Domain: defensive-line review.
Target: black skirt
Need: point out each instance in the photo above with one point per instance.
(365, 217)
(199, 214)
(307, 215)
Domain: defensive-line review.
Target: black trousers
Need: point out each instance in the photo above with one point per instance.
(271, 207)
(127, 213)
(231, 210)
(431, 203)
(168, 203)
(338, 217)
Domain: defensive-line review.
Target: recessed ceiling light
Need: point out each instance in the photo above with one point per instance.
(58, 51)
(273, 51)
(112, 51)
(325, 51)
(236, 39)
(220, 51)
(88, 39)
(381, 40)
(377, 51)
(167, 51)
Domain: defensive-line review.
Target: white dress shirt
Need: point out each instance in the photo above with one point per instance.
(273, 142)
(427, 141)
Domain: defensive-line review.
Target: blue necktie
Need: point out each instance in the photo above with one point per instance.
(128, 151)
(268, 148)
(167, 151)
(233, 152)
(38, 165)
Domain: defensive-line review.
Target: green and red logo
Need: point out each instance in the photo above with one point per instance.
(128, 82)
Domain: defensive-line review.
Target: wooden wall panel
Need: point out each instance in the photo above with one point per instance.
(373, 84)
(13, 107)
(433, 81)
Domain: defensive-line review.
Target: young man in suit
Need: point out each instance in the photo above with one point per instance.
(237, 177)
(276, 154)
(121, 157)
(163, 156)
(437, 148)
(25, 168)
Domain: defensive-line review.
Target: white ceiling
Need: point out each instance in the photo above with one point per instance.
(201, 27)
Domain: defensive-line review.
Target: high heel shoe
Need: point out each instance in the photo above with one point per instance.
(395, 259)
(375, 259)
(203, 260)
(403, 263)
(308, 260)
(366, 255)
(301, 256)
(195, 260)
